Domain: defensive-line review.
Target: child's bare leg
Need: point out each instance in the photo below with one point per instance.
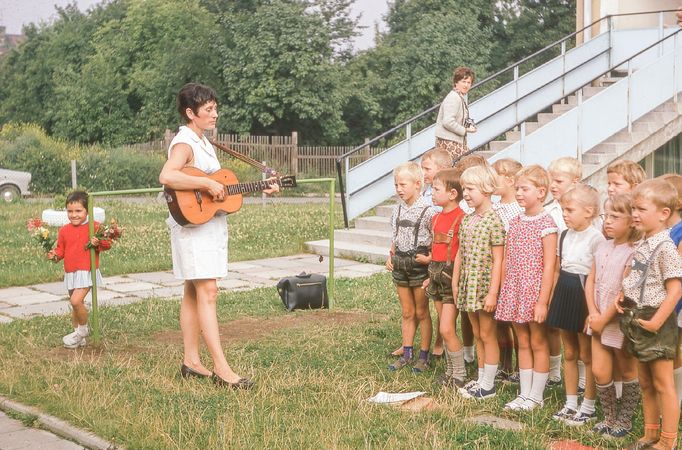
(79, 313)
(505, 342)
(554, 337)
(650, 408)
(467, 338)
(438, 345)
(677, 366)
(189, 325)
(584, 342)
(423, 317)
(448, 327)
(661, 371)
(540, 346)
(408, 325)
(488, 330)
(571, 352)
(206, 296)
(603, 371)
(480, 349)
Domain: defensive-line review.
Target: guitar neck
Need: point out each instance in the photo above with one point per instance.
(253, 186)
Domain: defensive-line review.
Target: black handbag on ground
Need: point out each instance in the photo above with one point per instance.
(304, 291)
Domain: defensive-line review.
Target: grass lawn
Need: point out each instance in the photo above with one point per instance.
(255, 231)
(313, 372)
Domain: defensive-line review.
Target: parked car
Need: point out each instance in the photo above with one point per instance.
(13, 184)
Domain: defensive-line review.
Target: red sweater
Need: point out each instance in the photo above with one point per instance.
(71, 242)
(443, 222)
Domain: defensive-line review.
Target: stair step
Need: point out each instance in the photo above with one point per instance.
(496, 146)
(385, 210)
(377, 238)
(668, 107)
(614, 148)
(373, 223)
(596, 158)
(544, 118)
(660, 118)
(645, 127)
(512, 136)
(589, 169)
(352, 250)
(589, 91)
(532, 126)
(608, 81)
(572, 100)
(560, 108)
(627, 137)
(486, 153)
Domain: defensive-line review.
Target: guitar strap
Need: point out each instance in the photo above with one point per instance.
(247, 159)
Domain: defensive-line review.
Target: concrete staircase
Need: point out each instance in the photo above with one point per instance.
(370, 239)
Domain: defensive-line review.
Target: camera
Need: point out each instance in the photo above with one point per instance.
(469, 122)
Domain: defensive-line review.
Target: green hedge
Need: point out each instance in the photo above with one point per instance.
(28, 148)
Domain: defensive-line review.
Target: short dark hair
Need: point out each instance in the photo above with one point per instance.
(77, 197)
(450, 178)
(461, 73)
(194, 96)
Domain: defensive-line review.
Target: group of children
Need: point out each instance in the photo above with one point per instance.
(481, 241)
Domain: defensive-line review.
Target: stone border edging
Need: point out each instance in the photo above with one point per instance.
(59, 427)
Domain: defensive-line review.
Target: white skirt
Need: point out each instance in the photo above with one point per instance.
(81, 279)
(199, 251)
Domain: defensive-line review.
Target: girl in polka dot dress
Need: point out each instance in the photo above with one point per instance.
(527, 283)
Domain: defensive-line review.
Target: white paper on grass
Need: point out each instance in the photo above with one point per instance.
(388, 397)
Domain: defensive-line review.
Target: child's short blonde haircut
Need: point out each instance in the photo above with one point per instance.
(468, 161)
(568, 165)
(412, 169)
(659, 192)
(440, 158)
(631, 172)
(482, 177)
(507, 167)
(622, 203)
(676, 181)
(451, 179)
(537, 175)
(585, 196)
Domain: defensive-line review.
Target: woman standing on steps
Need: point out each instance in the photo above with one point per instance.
(453, 122)
(199, 252)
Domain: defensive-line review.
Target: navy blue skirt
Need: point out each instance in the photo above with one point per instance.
(568, 309)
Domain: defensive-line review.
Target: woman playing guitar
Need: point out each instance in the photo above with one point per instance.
(199, 252)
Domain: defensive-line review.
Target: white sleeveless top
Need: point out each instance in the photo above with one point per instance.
(199, 251)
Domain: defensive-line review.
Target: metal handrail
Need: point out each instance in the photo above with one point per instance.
(344, 156)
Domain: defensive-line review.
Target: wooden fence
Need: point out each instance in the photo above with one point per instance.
(282, 153)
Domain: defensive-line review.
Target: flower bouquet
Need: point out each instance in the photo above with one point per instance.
(41, 233)
(106, 234)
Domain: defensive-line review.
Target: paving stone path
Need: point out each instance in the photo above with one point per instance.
(51, 299)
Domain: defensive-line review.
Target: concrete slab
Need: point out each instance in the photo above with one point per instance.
(234, 283)
(7, 424)
(29, 438)
(366, 268)
(39, 309)
(5, 305)
(7, 295)
(120, 301)
(240, 266)
(270, 274)
(170, 291)
(5, 319)
(117, 279)
(284, 263)
(56, 288)
(163, 278)
(132, 286)
(103, 294)
(496, 422)
(33, 298)
(343, 273)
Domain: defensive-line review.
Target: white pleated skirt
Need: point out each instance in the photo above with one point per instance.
(200, 251)
(81, 279)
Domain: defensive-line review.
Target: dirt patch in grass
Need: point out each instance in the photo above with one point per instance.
(250, 328)
(90, 352)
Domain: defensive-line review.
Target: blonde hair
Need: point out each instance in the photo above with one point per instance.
(412, 169)
(567, 165)
(537, 175)
(586, 196)
(622, 203)
(659, 192)
(440, 157)
(631, 172)
(507, 167)
(468, 161)
(480, 176)
(676, 181)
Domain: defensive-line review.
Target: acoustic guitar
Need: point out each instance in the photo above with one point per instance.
(197, 206)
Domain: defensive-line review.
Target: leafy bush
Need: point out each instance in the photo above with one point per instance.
(27, 148)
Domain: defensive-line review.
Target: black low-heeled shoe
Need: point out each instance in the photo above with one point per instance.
(242, 383)
(186, 372)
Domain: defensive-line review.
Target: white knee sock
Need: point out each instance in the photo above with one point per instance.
(677, 375)
(469, 353)
(480, 374)
(587, 406)
(525, 382)
(581, 374)
(555, 367)
(488, 380)
(537, 391)
(572, 402)
(619, 388)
